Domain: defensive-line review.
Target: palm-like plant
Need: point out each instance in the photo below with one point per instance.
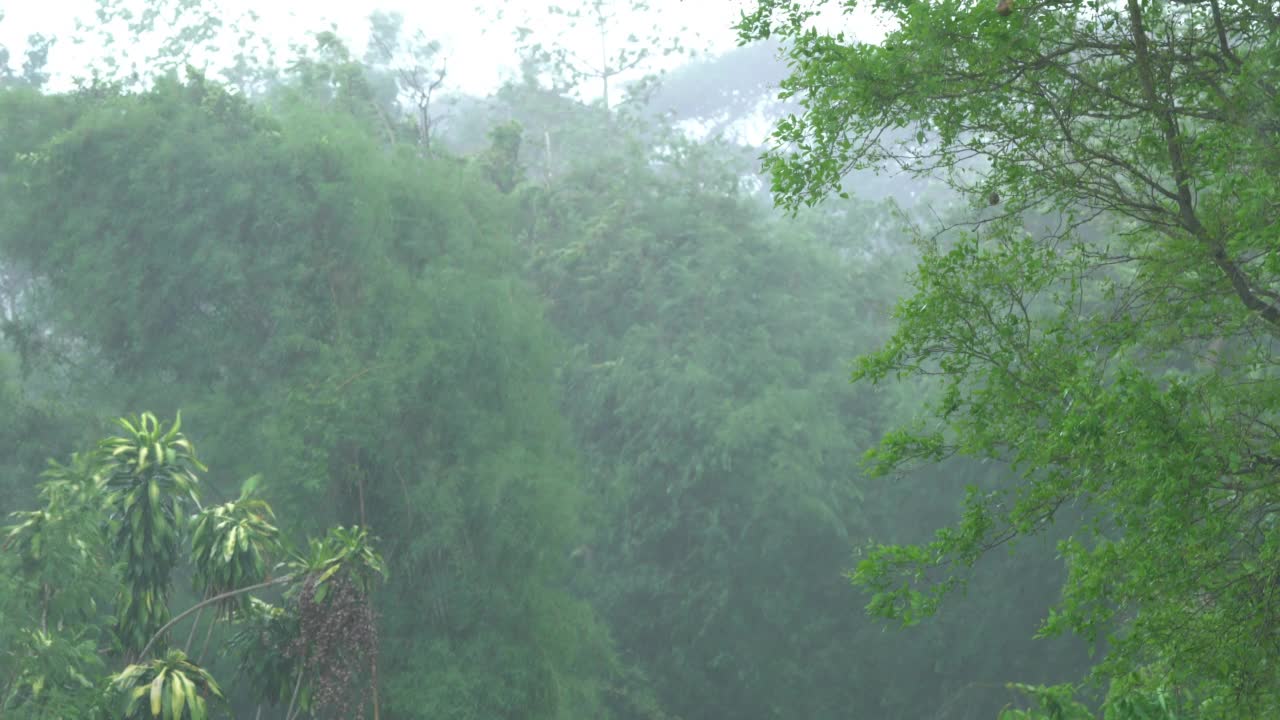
(230, 546)
(172, 688)
(337, 631)
(68, 491)
(28, 537)
(61, 549)
(136, 486)
(56, 679)
(343, 549)
(150, 472)
(77, 484)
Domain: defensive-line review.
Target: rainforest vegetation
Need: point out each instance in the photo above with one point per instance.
(329, 390)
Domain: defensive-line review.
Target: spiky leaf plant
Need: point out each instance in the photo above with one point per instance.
(150, 471)
(171, 688)
(231, 545)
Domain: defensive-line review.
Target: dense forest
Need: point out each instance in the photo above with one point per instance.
(330, 390)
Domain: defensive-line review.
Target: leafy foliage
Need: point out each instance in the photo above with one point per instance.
(230, 545)
(57, 676)
(60, 579)
(650, 519)
(150, 475)
(355, 311)
(171, 688)
(60, 660)
(1119, 354)
(261, 643)
(708, 390)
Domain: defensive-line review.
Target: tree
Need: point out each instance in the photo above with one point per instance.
(180, 31)
(346, 316)
(36, 55)
(614, 57)
(1119, 354)
(416, 70)
(707, 390)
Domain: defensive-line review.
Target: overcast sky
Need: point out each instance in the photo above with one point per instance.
(476, 34)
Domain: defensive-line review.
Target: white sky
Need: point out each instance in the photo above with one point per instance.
(477, 44)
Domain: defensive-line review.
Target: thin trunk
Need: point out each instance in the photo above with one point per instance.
(546, 136)
(195, 624)
(360, 492)
(297, 687)
(208, 633)
(604, 66)
(373, 667)
(404, 487)
(44, 608)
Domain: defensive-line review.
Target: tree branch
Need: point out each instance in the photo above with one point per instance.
(206, 603)
(1177, 165)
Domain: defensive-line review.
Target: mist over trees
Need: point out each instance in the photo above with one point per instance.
(538, 404)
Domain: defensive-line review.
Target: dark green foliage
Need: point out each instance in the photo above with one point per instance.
(267, 670)
(708, 389)
(58, 580)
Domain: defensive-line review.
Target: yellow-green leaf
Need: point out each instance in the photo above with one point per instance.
(328, 573)
(157, 688)
(177, 696)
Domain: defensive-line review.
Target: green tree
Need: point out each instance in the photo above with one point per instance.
(150, 481)
(347, 317)
(1120, 358)
(708, 392)
(59, 579)
(36, 58)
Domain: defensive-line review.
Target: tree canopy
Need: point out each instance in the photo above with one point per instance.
(1106, 322)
